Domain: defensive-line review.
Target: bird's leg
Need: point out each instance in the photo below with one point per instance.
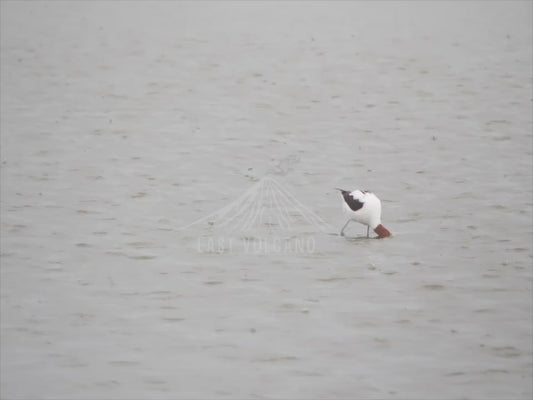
(345, 225)
(367, 229)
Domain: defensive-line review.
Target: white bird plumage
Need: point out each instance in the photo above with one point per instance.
(363, 207)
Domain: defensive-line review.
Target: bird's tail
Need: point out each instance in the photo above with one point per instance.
(342, 190)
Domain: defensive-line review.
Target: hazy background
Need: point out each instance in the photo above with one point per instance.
(123, 122)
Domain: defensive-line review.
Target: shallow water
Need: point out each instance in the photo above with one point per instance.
(133, 148)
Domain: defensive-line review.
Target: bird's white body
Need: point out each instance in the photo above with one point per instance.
(369, 214)
(363, 207)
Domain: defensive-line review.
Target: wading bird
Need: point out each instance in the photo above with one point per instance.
(363, 207)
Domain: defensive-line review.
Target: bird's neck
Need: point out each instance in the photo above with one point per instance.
(382, 231)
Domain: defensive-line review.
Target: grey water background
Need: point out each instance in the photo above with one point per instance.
(122, 123)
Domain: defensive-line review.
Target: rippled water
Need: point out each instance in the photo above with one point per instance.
(124, 126)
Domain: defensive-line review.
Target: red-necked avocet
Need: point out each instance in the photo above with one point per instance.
(363, 207)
